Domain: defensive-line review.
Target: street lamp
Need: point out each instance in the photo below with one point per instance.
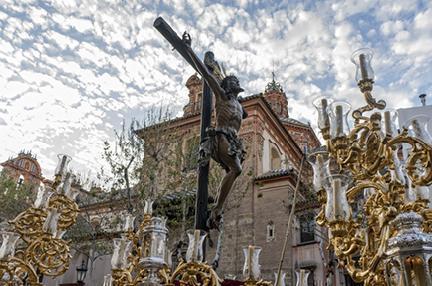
(81, 272)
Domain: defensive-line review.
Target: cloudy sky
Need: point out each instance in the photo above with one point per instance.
(71, 71)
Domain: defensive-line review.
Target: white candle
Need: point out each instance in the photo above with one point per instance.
(318, 173)
(50, 225)
(301, 277)
(326, 121)
(250, 254)
(129, 223)
(339, 120)
(8, 244)
(387, 123)
(336, 203)
(42, 196)
(320, 164)
(418, 132)
(62, 165)
(320, 161)
(196, 244)
(363, 69)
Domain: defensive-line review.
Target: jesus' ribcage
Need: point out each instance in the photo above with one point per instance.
(228, 113)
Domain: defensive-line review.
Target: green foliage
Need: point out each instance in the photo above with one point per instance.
(93, 231)
(126, 154)
(13, 199)
(89, 238)
(140, 154)
(157, 160)
(178, 210)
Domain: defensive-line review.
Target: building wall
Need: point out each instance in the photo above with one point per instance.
(251, 205)
(25, 165)
(271, 205)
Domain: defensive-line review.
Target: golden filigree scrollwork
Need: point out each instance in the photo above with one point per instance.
(366, 88)
(15, 271)
(390, 189)
(68, 210)
(419, 161)
(195, 274)
(29, 223)
(50, 255)
(39, 230)
(122, 277)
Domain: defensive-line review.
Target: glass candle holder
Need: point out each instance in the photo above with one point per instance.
(337, 207)
(129, 223)
(154, 243)
(195, 248)
(424, 193)
(87, 184)
(362, 59)
(428, 128)
(42, 197)
(339, 111)
(320, 164)
(410, 193)
(322, 106)
(281, 281)
(390, 127)
(8, 245)
(65, 186)
(252, 268)
(122, 248)
(73, 190)
(418, 127)
(302, 277)
(108, 281)
(168, 258)
(399, 172)
(60, 234)
(154, 250)
(148, 207)
(62, 165)
(50, 225)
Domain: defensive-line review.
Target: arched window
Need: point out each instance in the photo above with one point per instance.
(20, 181)
(307, 228)
(270, 231)
(275, 159)
(27, 165)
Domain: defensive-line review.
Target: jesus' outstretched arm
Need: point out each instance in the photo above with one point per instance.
(202, 69)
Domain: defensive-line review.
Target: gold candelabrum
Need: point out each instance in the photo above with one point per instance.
(378, 204)
(141, 258)
(35, 246)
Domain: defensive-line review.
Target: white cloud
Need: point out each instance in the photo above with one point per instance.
(69, 74)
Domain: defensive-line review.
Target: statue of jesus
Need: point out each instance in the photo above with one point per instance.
(223, 143)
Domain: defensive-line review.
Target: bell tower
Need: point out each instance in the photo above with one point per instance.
(276, 97)
(194, 84)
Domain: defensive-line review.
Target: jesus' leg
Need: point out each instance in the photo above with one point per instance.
(234, 169)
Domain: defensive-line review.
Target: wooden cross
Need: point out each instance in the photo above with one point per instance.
(201, 212)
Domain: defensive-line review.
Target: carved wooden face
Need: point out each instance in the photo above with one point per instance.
(232, 85)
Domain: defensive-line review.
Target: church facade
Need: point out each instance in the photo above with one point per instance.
(257, 208)
(24, 168)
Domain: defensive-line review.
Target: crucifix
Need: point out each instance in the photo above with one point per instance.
(221, 143)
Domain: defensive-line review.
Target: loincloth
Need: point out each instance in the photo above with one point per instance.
(210, 146)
